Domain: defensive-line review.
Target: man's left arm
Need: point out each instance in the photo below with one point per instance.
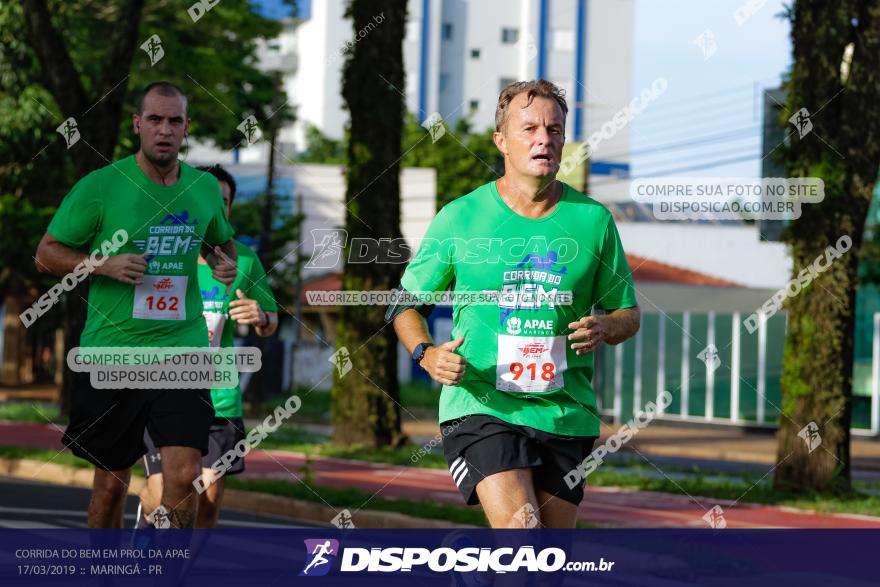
(613, 328)
(615, 292)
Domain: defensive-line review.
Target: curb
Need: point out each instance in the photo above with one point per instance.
(247, 501)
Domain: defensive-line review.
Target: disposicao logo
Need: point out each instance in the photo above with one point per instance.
(319, 556)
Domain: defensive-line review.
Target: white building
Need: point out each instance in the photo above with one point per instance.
(459, 55)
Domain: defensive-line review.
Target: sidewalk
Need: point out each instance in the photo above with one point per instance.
(718, 443)
(601, 506)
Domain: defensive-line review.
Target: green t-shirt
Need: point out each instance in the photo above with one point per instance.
(521, 368)
(167, 222)
(251, 280)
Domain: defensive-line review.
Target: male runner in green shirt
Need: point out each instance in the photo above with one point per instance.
(251, 303)
(517, 409)
(146, 295)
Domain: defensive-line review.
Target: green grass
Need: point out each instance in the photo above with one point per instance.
(420, 395)
(357, 499)
(38, 412)
(293, 439)
(39, 454)
(339, 498)
(418, 398)
(749, 490)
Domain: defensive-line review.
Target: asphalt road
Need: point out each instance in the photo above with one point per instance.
(31, 504)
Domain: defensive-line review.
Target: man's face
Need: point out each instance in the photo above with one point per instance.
(161, 127)
(227, 197)
(533, 136)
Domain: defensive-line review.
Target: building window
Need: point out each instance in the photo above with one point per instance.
(504, 82)
(475, 53)
(473, 105)
(562, 39)
(412, 30)
(447, 31)
(444, 82)
(509, 36)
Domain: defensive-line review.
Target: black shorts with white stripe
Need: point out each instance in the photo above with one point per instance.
(479, 445)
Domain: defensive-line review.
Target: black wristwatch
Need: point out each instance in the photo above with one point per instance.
(419, 352)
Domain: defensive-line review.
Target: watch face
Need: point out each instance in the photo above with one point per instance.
(419, 351)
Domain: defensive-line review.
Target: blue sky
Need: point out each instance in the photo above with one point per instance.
(705, 98)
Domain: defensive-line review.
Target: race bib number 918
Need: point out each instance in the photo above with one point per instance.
(160, 297)
(530, 364)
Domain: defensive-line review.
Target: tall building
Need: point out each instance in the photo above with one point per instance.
(459, 55)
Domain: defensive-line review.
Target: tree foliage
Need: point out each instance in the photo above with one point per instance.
(284, 260)
(81, 59)
(463, 159)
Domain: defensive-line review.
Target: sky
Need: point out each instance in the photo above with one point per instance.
(713, 99)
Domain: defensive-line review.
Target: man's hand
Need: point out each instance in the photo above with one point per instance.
(126, 268)
(443, 364)
(247, 311)
(223, 268)
(613, 328)
(591, 330)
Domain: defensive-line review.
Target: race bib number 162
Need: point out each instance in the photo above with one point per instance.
(160, 297)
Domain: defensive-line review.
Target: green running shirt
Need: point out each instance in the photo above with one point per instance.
(167, 222)
(251, 280)
(521, 368)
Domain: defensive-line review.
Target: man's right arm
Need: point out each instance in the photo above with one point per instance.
(441, 362)
(58, 259)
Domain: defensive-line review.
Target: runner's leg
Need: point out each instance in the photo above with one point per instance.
(151, 494)
(555, 512)
(180, 466)
(209, 500)
(505, 494)
(109, 489)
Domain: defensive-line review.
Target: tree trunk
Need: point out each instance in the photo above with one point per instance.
(843, 148)
(366, 408)
(97, 118)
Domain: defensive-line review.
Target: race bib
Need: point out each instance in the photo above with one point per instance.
(160, 297)
(530, 364)
(215, 322)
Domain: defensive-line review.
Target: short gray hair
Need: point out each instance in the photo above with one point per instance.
(541, 88)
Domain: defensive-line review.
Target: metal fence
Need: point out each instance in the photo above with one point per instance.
(717, 371)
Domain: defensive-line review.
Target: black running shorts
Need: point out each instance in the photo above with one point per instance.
(107, 425)
(479, 445)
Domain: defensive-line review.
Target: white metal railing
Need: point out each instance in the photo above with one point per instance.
(735, 418)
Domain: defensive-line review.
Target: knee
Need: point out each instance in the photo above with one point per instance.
(181, 477)
(110, 492)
